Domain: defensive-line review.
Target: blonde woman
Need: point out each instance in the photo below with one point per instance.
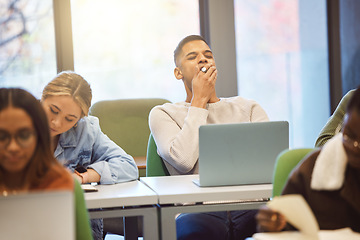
(78, 141)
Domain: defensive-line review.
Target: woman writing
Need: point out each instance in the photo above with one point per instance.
(26, 159)
(77, 138)
(329, 180)
(78, 141)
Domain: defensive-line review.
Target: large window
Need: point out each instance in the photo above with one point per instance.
(124, 48)
(282, 62)
(27, 44)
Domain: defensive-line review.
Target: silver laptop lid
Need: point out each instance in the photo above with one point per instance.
(46, 215)
(240, 153)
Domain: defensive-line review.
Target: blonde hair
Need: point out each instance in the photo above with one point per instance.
(68, 83)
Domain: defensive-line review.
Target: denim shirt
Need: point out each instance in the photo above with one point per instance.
(88, 146)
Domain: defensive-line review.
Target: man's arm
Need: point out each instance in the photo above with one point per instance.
(258, 114)
(178, 145)
(334, 124)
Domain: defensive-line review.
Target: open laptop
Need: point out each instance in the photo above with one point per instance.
(240, 153)
(45, 215)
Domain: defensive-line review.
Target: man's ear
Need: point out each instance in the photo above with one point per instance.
(178, 74)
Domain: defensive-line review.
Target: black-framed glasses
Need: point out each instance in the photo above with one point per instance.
(23, 138)
(351, 142)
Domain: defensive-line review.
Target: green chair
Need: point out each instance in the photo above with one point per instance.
(154, 164)
(125, 121)
(285, 162)
(82, 222)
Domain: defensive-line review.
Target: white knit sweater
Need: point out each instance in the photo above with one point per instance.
(175, 127)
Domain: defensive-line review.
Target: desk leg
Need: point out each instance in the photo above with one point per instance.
(151, 224)
(168, 225)
(130, 228)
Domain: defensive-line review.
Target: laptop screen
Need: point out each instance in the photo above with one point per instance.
(240, 153)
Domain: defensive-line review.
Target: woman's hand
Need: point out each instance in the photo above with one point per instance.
(269, 220)
(78, 177)
(87, 177)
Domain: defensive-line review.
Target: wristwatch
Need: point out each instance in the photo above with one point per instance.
(80, 170)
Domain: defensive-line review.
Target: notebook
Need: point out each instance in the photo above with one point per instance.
(240, 153)
(43, 215)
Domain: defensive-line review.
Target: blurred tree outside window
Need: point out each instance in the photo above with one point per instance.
(27, 44)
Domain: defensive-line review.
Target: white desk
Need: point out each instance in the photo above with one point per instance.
(127, 199)
(175, 191)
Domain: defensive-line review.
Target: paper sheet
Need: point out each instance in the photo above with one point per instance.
(297, 212)
(289, 235)
(340, 234)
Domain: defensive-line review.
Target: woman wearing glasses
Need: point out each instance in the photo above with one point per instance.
(26, 160)
(329, 179)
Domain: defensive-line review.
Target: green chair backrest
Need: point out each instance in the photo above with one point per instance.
(285, 162)
(82, 220)
(154, 164)
(125, 121)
